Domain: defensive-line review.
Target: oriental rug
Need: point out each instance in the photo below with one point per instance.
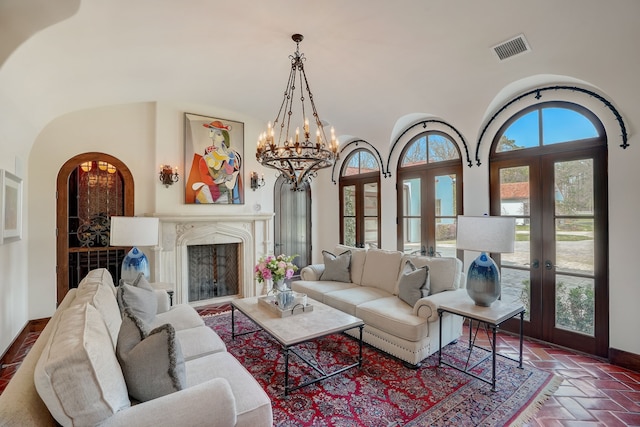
(383, 392)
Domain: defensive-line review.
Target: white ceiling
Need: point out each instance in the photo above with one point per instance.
(369, 62)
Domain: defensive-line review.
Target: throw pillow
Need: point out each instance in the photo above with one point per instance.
(141, 301)
(413, 283)
(336, 268)
(152, 362)
(139, 282)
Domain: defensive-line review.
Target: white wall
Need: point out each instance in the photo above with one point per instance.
(145, 135)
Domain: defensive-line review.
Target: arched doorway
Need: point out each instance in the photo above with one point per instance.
(360, 200)
(429, 194)
(292, 222)
(548, 169)
(90, 188)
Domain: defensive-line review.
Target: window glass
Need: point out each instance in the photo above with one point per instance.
(562, 125)
(359, 161)
(523, 133)
(416, 154)
(441, 149)
(558, 125)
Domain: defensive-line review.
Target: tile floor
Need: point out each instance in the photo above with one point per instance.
(593, 393)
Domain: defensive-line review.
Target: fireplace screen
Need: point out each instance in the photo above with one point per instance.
(213, 271)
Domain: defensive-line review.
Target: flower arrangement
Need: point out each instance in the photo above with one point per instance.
(275, 267)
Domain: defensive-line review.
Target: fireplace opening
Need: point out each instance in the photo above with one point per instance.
(213, 271)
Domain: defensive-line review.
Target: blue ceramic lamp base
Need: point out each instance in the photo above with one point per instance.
(134, 262)
(483, 281)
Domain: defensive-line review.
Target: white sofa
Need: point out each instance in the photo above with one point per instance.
(410, 333)
(72, 376)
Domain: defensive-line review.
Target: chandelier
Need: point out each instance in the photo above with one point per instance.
(295, 155)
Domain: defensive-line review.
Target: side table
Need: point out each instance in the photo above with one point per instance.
(493, 316)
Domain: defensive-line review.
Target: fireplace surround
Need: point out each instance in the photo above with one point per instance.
(251, 233)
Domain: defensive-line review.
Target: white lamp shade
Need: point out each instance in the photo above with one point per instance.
(134, 231)
(486, 233)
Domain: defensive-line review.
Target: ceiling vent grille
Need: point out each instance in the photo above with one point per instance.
(511, 48)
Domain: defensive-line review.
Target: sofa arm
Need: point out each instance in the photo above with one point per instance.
(210, 403)
(427, 307)
(312, 272)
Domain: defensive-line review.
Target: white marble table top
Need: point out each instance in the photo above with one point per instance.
(498, 312)
(292, 330)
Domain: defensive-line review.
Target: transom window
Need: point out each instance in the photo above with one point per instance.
(359, 162)
(547, 125)
(431, 147)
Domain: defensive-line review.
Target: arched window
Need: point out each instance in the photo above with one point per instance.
(429, 194)
(360, 200)
(548, 170)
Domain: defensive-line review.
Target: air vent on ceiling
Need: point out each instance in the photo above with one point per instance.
(512, 47)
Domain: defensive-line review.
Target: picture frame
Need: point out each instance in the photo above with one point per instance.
(214, 152)
(11, 209)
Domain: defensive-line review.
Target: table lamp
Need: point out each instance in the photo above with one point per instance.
(134, 231)
(485, 234)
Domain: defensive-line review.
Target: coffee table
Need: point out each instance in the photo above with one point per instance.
(297, 329)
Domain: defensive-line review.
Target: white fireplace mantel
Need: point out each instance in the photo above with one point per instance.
(177, 231)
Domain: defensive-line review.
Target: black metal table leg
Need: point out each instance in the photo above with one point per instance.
(286, 370)
(360, 355)
(493, 356)
(440, 338)
(233, 323)
(521, 332)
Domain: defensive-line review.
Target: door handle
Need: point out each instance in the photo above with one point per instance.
(535, 263)
(548, 265)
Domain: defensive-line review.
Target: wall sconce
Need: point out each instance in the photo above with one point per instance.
(255, 181)
(168, 175)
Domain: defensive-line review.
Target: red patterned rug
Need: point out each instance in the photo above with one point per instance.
(384, 392)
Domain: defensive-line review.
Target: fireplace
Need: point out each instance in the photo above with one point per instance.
(229, 243)
(213, 271)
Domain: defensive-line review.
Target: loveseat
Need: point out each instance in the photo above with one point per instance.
(374, 289)
(177, 368)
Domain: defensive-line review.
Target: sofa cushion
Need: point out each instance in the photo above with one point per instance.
(445, 273)
(381, 269)
(413, 283)
(394, 317)
(199, 341)
(346, 300)
(181, 316)
(336, 268)
(152, 362)
(102, 298)
(78, 376)
(317, 290)
(141, 301)
(358, 257)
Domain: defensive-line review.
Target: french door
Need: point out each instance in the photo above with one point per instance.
(559, 267)
(360, 210)
(292, 222)
(429, 201)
